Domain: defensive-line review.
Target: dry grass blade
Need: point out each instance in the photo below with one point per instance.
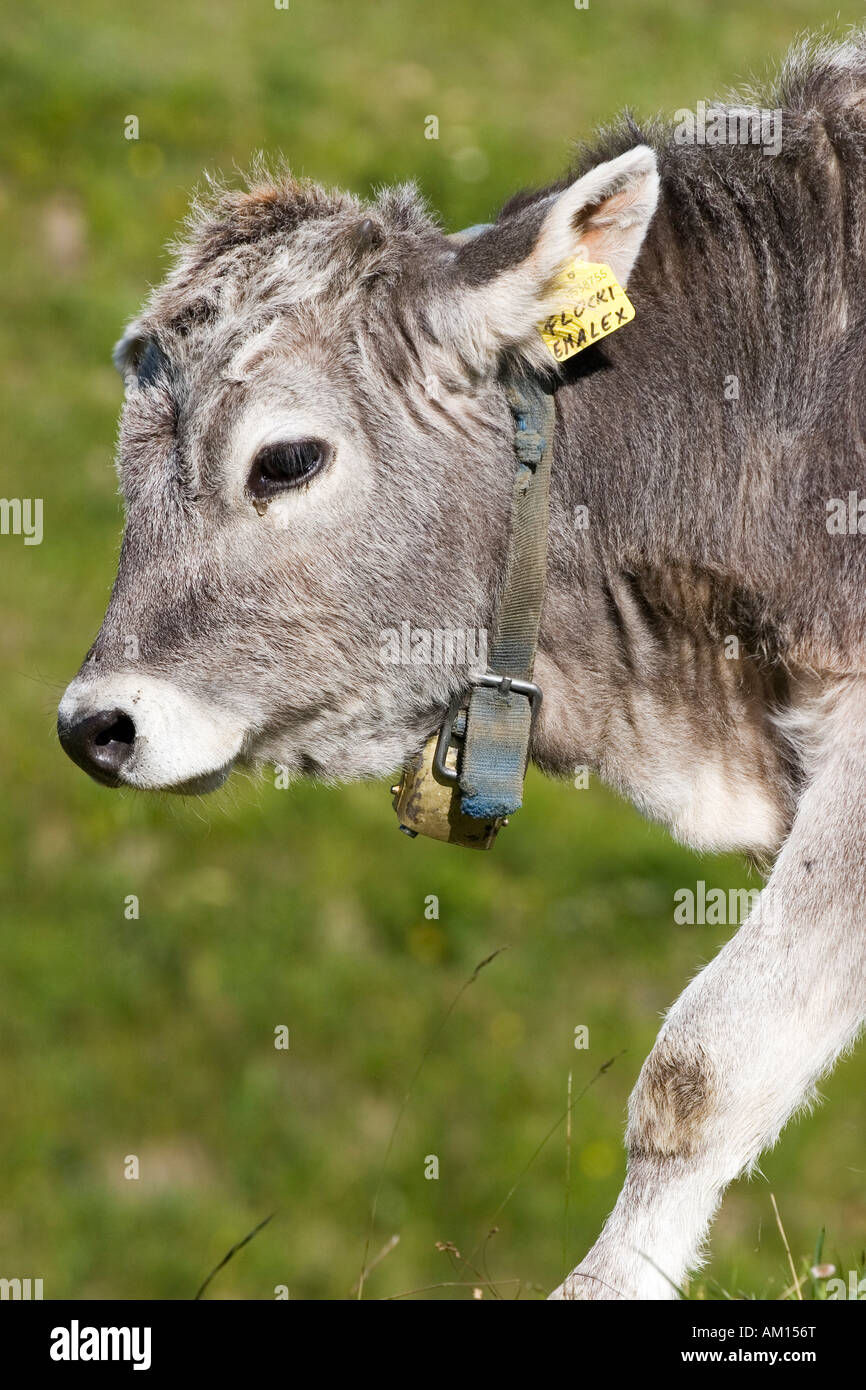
(405, 1101)
(234, 1250)
(787, 1248)
(605, 1066)
(386, 1250)
(567, 1171)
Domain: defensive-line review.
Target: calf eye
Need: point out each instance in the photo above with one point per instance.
(149, 363)
(277, 467)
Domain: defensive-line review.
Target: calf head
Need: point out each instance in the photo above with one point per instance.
(315, 449)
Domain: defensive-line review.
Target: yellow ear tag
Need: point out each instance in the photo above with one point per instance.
(593, 305)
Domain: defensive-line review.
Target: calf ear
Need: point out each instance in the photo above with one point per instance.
(505, 274)
(127, 350)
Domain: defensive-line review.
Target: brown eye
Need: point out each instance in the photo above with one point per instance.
(277, 467)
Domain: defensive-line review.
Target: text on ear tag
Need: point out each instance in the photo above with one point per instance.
(593, 305)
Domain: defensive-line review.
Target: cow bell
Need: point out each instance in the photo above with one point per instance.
(427, 804)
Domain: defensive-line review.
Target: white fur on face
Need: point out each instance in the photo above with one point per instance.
(336, 489)
(181, 743)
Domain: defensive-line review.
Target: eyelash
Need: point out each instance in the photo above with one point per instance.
(286, 464)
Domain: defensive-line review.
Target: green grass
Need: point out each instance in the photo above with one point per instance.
(154, 1037)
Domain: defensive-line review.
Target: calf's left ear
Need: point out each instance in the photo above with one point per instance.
(504, 275)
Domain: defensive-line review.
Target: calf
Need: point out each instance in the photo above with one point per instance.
(317, 448)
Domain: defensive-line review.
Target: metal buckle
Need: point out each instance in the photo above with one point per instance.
(506, 685)
(446, 737)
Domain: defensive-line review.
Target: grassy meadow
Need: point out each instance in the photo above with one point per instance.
(305, 908)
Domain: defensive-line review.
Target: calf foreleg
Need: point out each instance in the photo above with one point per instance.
(745, 1044)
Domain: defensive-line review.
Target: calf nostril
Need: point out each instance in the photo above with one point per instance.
(99, 743)
(122, 730)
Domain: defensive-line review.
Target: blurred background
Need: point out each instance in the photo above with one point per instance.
(154, 1036)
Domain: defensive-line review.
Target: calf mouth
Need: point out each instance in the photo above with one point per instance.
(200, 786)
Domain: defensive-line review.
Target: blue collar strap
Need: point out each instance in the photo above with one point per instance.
(469, 777)
(503, 705)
